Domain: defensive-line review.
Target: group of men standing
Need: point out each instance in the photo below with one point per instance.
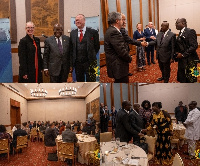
(168, 49)
(62, 54)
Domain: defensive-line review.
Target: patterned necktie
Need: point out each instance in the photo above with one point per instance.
(60, 46)
(81, 35)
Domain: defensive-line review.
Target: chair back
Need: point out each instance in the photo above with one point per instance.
(4, 146)
(177, 160)
(22, 141)
(66, 150)
(33, 131)
(75, 129)
(151, 141)
(105, 137)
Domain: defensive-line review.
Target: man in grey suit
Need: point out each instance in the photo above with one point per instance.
(69, 136)
(85, 46)
(56, 58)
(165, 42)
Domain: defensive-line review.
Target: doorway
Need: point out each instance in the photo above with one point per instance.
(15, 116)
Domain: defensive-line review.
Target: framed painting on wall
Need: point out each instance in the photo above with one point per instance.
(95, 109)
(87, 110)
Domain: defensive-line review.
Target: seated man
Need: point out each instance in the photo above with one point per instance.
(85, 128)
(18, 132)
(50, 136)
(69, 136)
(42, 129)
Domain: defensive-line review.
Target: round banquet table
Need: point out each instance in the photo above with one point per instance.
(86, 143)
(135, 152)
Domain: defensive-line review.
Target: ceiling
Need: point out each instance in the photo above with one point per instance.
(83, 88)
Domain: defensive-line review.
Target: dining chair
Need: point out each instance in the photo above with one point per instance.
(34, 134)
(66, 150)
(175, 140)
(4, 147)
(41, 135)
(105, 137)
(22, 142)
(151, 141)
(177, 160)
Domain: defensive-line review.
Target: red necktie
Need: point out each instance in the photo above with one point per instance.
(81, 36)
(36, 62)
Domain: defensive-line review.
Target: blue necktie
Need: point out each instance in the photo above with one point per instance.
(60, 46)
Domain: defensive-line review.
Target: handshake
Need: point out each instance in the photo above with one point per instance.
(144, 44)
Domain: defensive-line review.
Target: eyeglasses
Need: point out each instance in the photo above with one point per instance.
(30, 27)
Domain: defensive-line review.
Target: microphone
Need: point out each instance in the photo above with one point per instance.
(44, 36)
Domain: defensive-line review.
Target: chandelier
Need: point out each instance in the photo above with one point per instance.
(67, 91)
(38, 91)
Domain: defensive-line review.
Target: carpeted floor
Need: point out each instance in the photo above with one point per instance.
(33, 156)
(150, 75)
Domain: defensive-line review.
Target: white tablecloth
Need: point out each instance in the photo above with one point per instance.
(135, 151)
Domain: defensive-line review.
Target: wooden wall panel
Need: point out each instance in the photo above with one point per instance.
(104, 12)
(150, 11)
(118, 6)
(104, 93)
(112, 94)
(158, 15)
(141, 14)
(154, 13)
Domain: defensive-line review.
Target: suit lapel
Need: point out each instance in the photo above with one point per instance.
(63, 44)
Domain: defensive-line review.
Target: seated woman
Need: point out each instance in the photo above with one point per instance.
(4, 134)
(164, 128)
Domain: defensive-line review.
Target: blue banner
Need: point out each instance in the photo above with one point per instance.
(5, 51)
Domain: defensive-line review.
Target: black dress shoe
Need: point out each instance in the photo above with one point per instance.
(153, 62)
(130, 74)
(160, 79)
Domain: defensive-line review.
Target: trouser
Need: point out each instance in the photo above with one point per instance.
(122, 80)
(150, 50)
(191, 147)
(58, 79)
(165, 69)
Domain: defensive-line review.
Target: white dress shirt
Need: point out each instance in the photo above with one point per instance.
(83, 31)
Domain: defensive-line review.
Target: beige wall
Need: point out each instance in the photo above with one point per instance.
(61, 109)
(71, 8)
(170, 10)
(169, 94)
(5, 97)
(95, 94)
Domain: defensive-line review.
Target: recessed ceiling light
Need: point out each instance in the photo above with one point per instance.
(54, 88)
(25, 84)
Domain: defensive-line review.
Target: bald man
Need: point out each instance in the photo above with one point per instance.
(186, 45)
(165, 42)
(56, 61)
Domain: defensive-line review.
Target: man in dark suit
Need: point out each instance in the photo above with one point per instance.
(186, 45)
(124, 130)
(50, 136)
(102, 117)
(165, 42)
(150, 35)
(18, 132)
(136, 122)
(117, 55)
(56, 56)
(85, 46)
(181, 112)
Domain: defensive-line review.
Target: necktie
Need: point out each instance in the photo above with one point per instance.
(162, 37)
(81, 35)
(36, 62)
(60, 46)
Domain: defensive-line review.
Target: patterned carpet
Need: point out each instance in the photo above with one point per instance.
(33, 156)
(150, 75)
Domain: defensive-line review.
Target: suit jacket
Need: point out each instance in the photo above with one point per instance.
(49, 137)
(148, 34)
(124, 130)
(117, 55)
(53, 59)
(187, 45)
(69, 136)
(165, 49)
(26, 53)
(16, 133)
(181, 116)
(92, 44)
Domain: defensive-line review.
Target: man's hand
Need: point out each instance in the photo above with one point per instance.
(144, 44)
(140, 134)
(179, 55)
(46, 73)
(143, 131)
(152, 37)
(25, 77)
